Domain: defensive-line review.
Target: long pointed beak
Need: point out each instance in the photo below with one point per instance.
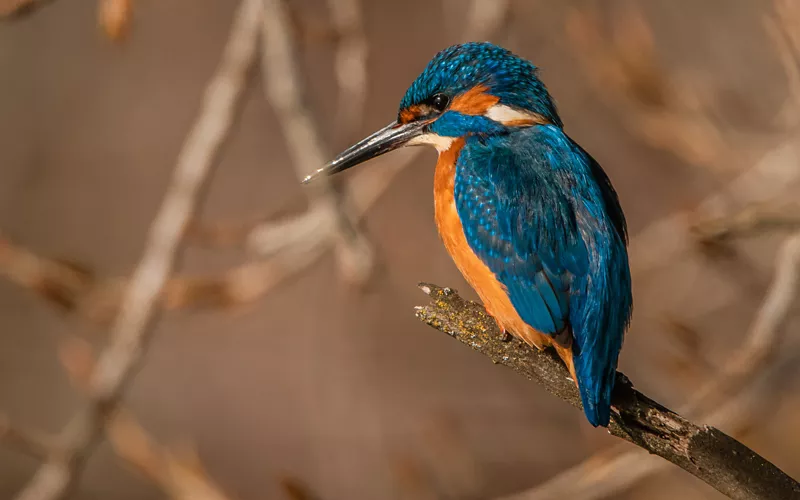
(393, 136)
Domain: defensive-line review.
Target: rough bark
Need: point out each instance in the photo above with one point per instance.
(705, 452)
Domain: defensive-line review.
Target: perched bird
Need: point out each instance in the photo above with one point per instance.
(530, 218)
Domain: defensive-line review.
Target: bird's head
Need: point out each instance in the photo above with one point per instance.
(467, 89)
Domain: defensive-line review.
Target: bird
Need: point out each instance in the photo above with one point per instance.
(530, 219)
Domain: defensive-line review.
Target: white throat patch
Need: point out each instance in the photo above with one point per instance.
(440, 142)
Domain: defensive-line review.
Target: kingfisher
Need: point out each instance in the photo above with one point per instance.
(528, 216)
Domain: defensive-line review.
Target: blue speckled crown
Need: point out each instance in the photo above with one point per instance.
(459, 68)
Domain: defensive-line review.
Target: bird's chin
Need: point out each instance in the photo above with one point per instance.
(440, 142)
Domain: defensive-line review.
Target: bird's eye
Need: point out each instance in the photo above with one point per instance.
(440, 102)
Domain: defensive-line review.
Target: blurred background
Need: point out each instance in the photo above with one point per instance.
(288, 362)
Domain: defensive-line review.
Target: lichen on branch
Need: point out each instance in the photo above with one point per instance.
(705, 452)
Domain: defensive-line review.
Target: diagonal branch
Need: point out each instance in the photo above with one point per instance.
(614, 470)
(705, 452)
(350, 66)
(20, 8)
(178, 472)
(74, 289)
(752, 220)
(659, 243)
(284, 85)
(28, 441)
(132, 327)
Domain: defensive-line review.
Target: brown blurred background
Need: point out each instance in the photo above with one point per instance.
(334, 385)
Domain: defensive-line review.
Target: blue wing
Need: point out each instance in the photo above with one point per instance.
(522, 228)
(541, 214)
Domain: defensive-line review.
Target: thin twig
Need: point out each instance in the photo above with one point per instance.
(28, 441)
(270, 238)
(283, 247)
(666, 112)
(66, 284)
(782, 26)
(21, 8)
(753, 219)
(132, 328)
(350, 66)
(284, 86)
(612, 472)
(178, 473)
(486, 18)
(661, 241)
(115, 17)
(75, 289)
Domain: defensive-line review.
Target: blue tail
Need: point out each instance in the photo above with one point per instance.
(599, 322)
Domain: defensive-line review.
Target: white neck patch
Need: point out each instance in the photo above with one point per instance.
(499, 113)
(506, 114)
(440, 142)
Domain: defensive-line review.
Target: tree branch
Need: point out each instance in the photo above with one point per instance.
(28, 441)
(753, 219)
(703, 451)
(659, 243)
(284, 86)
(752, 369)
(132, 327)
(177, 471)
(75, 289)
(14, 9)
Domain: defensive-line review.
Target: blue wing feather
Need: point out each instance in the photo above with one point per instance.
(542, 215)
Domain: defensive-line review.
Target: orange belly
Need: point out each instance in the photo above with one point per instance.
(478, 275)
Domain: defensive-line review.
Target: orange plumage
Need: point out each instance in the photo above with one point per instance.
(475, 101)
(478, 275)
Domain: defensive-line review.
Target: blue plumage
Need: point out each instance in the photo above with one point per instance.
(536, 228)
(458, 68)
(540, 213)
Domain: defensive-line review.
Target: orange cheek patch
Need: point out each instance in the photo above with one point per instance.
(410, 114)
(475, 101)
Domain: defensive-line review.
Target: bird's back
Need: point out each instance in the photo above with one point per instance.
(542, 240)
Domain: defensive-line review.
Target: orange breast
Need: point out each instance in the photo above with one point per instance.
(480, 277)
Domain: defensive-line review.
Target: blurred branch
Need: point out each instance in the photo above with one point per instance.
(12, 9)
(314, 231)
(659, 243)
(283, 247)
(782, 28)
(136, 302)
(114, 17)
(487, 18)
(74, 289)
(350, 66)
(751, 220)
(294, 489)
(132, 327)
(765, 334)
(178, 473)
(30, 442)
(752, 369)
(284, 86)
(669, 113)
(673, 115)
(705, 452)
